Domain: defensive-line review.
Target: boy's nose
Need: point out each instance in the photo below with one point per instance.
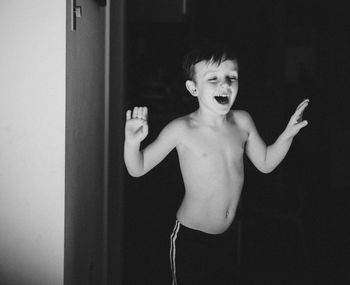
(224, 85)
(225, 90)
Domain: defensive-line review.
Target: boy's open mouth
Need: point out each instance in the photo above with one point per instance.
(222, 99)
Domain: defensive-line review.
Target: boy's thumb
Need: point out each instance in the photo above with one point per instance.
(303, 124)
(145, 127)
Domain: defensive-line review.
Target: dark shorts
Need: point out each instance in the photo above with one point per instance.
(197, 257)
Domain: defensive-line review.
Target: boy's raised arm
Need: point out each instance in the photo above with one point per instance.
(139, 162)
(267, 158)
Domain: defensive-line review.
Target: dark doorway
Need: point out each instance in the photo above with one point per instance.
(294, 228)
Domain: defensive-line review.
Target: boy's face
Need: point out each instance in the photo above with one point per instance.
(216, 86)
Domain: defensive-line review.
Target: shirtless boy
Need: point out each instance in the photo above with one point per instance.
(210, 143)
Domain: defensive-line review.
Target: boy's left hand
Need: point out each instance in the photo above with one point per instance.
(296, 122)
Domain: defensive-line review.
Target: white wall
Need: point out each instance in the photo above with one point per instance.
(32, 141)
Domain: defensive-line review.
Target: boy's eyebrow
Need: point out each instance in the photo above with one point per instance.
(215, 70)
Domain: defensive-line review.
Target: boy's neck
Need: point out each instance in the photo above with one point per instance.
(210, 119)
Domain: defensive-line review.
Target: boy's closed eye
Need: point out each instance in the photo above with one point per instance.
(228, 79)
(232, 78)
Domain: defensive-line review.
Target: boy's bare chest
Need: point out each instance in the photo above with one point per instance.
(206, 143)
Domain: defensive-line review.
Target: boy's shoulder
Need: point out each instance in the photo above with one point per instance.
(240, 115)
(241, 118)
(179, 124)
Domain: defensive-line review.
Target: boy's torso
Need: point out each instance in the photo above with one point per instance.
(211, 161)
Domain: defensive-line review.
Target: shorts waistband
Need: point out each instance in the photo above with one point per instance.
(228, 236)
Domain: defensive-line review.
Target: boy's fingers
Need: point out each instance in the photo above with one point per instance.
(145, 112)
(128, 115)
(302, 106)
(299, 111)
(134, 113)
(303, 103)
(140, 113)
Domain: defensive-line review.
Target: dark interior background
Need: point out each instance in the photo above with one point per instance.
(294, 221)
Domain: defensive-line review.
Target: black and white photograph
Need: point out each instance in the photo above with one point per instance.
(180, 142)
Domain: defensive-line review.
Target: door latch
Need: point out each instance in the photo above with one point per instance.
(76, 12)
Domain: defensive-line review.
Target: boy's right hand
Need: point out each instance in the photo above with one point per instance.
(136, 126)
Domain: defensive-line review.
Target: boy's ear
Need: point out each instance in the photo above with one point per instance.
(191, 87)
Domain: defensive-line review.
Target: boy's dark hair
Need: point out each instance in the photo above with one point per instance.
(209, 52)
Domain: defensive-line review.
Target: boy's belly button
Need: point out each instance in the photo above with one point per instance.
(227, 214)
